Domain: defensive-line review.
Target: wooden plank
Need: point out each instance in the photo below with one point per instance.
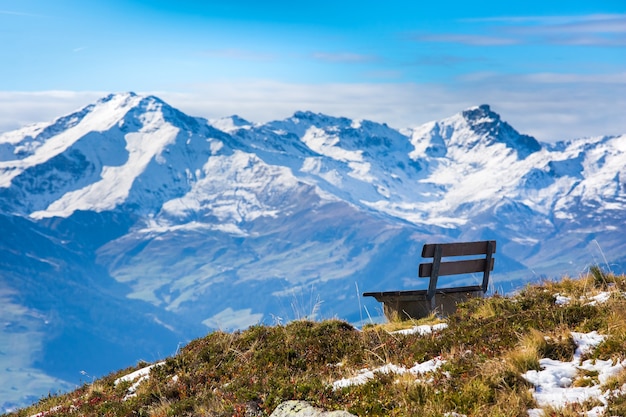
(422, 293)
(491, 248)
(434, 274)
(456, 267)
(458, 249)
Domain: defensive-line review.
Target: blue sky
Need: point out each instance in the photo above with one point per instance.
(556, 70)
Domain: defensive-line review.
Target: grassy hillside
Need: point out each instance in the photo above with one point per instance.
(482, 355)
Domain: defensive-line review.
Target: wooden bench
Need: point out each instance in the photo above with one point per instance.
(421, 303)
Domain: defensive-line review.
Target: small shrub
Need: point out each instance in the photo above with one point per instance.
(600, 278)
(559, 347)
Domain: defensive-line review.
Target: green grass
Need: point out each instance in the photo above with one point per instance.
(487, 346)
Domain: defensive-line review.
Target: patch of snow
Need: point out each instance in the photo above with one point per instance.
(586, 342)
(422, 329)
(100, 118)
(140, 373)
(599, 298)
(116, 182)
(215, 146)
(526, 241)
(230, 124)
(321, 142)
(561, 300)
(234, 188)
(428, 366)
(554, 382)
(314, 165)
(154, 228)
(137, 377)
(365, 374)
(50, 411)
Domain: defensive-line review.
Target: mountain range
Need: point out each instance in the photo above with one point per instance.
(129, 227)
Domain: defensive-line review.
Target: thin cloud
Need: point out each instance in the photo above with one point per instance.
(544, 20)
(446, 60)
(348, 57)
(384, 74)
(18, 109)
(548, 110)
(615, 79)
(579, 40)
(600, 79)
(548, 106)
(597, 24)
(604, 30)
(467, 39)
(592, 30)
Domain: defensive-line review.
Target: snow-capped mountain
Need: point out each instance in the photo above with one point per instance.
(130, 227)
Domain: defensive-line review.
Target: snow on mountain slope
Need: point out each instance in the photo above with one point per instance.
(125, 149)
(40, 144)
(137, 154)
(358, 161)
(481, 160)
(460, 162)
(233, 189)
(597, 165)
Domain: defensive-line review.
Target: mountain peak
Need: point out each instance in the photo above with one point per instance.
(480, 113)
(111, 96)
(319, 119)
(488, 124)
(231, 123)
(481, 118)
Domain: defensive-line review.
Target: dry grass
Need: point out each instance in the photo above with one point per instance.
(487, 346)
(395, 325)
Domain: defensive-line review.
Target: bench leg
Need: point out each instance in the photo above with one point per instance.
(488, 257)
(406, 310)
(434, 275)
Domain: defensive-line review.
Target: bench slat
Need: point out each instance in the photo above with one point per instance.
(455, 267)
(422, 293)
(458, 249)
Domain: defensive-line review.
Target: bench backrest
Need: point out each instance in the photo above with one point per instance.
(437, 268)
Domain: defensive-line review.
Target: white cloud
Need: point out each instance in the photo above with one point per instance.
(548, 106)
(552, 78)
(587, 30)
(230, 319)
(18, 109)
(468, 39)
(547, 20)
(343, 57)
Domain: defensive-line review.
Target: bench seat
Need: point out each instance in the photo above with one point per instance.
(403, 305)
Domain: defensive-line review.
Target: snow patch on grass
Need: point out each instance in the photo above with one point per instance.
(136, 378)
(555, 383)
(365, 374)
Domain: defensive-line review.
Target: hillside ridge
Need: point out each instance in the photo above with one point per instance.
(552, 349)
